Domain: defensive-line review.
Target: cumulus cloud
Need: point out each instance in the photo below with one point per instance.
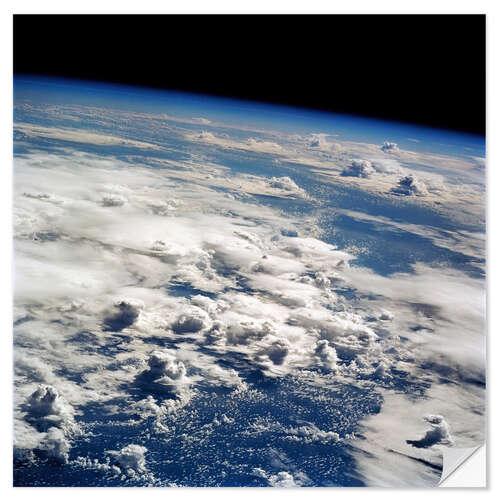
(316, 142)
(385, 165)
(47, 428)
(286, 185)
(216, 376)
(311, 434)
(282, 479)
(113, 201)
(321, 280)
(148, 406)
(389, 147)
(130, 459)
(206, 303)
(386, 315)
(410, 185)
(272, 353)
(307, 433)
(264, 146)
(438, 433)
(193, 319)
(125, 312)
(278, 350)
(244, 332)
(162, 364)
(165, 374)
(345, 331)
(45, 408)
(56, 445)
(223, 420)
(326, 355)
(283, 183)
(358, 168)
(320, 142)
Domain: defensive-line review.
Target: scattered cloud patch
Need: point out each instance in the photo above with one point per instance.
(113, 201)
(48, 426)
(192, 320)
(358, 168)
(125, 312)
(326, 355)
(282, 479)
(130, 459)
(410, 185)
(438, 433)
(250, 144)
(165, 374)
(320, 142)
(389, 147)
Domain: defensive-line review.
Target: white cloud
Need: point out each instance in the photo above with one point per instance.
(165, 374)
(47, 426)
(45, 408)
(124, 313)
(358, 168)
(284, 183)
(113, 201)
(386, 458)
(389, 147)
(326, 355)
(56, 444)
(191, 320)
(130, 459)
(307, 433)
(386, 165)
(217, 376)
(320, 142)
(438, 433)
(282, 479)
(251, 144)
(410, 185)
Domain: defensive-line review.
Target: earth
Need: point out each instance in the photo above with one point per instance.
(211, 292)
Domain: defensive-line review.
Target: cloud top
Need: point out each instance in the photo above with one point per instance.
(389, 147)
(358, 168)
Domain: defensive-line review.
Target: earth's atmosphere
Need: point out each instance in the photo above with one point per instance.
(219, 293)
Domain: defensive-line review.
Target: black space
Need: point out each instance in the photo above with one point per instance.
(427, 70)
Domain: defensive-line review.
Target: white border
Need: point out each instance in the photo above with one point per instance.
(256, 6)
